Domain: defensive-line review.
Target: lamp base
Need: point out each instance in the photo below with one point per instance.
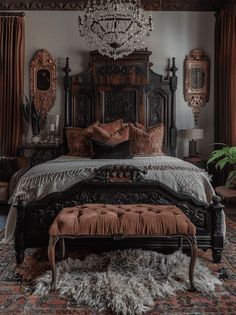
(192, 148)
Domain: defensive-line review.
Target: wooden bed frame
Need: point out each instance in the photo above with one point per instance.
(127, 89)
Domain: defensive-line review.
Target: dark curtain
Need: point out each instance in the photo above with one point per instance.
(12, 55)
(225, 75)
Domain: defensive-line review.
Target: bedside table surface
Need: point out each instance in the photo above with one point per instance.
(194, 158)
(40, 146)
(228, 194)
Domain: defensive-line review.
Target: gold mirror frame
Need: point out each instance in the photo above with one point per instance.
(197, 81)
(43, 81)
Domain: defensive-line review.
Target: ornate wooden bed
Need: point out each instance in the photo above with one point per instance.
(130, 90)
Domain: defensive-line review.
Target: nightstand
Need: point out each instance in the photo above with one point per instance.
(40, 153)
(227, 194)
(199, 161)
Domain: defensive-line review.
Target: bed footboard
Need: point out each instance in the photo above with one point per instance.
(119, 185)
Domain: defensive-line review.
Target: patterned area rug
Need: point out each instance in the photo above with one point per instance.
(16, 283)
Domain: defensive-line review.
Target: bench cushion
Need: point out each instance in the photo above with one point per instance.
(129, 220)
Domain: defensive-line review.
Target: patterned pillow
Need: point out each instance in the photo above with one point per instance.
(147, 142)
(119, 136)
(78, 140)
(138, 125)
(113, 126)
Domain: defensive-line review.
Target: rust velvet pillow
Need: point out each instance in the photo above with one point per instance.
(140, 126)
(113, 126)
(78, 140)
(147, 142)
(119, 136)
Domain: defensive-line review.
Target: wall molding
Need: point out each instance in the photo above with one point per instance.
(153, 5)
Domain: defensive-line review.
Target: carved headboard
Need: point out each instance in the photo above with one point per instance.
(125, 88)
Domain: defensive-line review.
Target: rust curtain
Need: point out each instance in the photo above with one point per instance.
(225, 75)
(12, 55)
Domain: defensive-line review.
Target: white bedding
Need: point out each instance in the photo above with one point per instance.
(65, 171)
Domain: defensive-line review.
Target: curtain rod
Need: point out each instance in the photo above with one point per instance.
(12, 13)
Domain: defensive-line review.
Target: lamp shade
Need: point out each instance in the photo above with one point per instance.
(193, 134)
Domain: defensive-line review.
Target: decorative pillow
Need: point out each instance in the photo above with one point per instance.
(113, 126)
(138, 125)
(8, 167)
(103, 150)
(119, 136)
(147, 142)
(79, 140)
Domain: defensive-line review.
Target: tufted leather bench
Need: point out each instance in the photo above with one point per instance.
(119, 221)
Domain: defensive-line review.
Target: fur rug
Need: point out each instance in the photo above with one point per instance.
(126, 282)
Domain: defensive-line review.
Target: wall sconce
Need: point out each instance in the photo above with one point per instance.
(196, 81)
(193, 135)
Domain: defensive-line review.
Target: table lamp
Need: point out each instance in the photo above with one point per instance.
(193, 134)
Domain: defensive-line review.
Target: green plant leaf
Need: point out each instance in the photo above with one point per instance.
(226, 155)
(217, 154)
(221, 164)
(231, 175)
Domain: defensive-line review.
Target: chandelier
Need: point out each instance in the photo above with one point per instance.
(114, 27)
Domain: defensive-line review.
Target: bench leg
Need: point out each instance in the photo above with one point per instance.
(51, 257)
(193, 251)
(62, 248)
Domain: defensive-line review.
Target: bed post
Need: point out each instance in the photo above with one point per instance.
(173, 129)
(217, 229)
(67, 112)
(19, 231)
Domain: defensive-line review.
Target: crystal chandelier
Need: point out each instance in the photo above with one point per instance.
(114, 27)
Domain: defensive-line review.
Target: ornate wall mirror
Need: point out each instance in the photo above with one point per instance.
(197, 85)
(43, 81)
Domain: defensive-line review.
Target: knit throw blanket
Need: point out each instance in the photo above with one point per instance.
(60, 174)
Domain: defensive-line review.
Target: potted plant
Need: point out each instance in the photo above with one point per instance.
(222, 157)
(34, 118)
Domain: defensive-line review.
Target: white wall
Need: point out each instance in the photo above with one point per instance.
(174, 35)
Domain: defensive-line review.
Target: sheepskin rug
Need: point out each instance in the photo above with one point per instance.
(126, 282)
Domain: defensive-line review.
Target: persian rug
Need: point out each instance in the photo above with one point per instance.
(16, 287)
(126, 282)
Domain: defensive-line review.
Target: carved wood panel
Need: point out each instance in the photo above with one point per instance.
(118, 102)
(156, 108)
(120, 105)
(157, 5)
(121, 72)
(157, 111)
(82, 110)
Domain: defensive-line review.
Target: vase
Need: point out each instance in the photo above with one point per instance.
(35, 139)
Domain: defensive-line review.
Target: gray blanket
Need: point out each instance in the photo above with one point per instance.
(60, 174)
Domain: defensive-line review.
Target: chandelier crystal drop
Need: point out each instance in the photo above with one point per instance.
(114, 27)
